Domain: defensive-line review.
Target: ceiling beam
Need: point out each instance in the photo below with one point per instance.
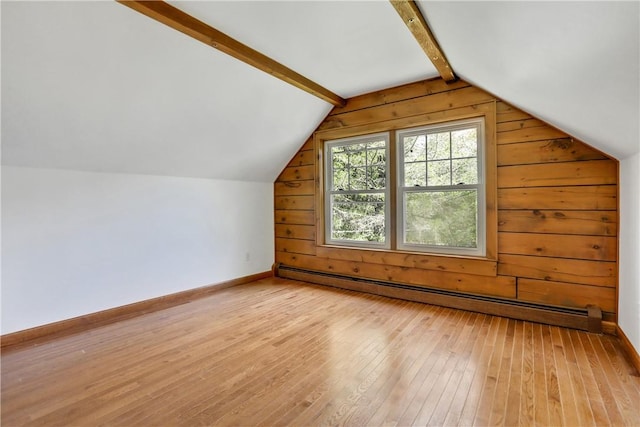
(187, 24)
(413, 19)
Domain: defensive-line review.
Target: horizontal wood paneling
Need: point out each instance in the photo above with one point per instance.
(593, 172)
(556, 202)
(585, 272)
(508, 113)
(593, 198)
(306, 232)
(400, 93)
(597, 248)
(513, 132)
(295, 217)
(297, 173)
(546, 151)
(412, 107)
(566, 294)
(294, 188)
(295, 246)
(487, 285)
(413, 260)
(294, 202)
(598, 223)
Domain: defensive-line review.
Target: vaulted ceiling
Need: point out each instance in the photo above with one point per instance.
(96, 86)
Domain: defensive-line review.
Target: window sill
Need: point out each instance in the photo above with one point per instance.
(426, 261)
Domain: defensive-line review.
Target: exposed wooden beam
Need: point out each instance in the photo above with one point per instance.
(413, 19)
(187, 24)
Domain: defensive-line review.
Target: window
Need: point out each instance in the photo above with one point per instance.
(357, 184)
(438, 184)
(441, 200)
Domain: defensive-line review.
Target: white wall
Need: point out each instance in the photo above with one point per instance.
(629, 290)
(78, 242)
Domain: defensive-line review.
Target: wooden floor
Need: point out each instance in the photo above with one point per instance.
(279, 352)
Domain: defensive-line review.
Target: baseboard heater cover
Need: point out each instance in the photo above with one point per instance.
(587, 319)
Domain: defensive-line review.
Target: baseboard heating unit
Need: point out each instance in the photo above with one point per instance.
(587, 319)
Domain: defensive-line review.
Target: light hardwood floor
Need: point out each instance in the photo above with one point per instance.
(279, 352)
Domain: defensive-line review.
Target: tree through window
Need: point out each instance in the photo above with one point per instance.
(439, 182)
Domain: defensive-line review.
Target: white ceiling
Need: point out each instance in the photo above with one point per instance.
(575, 65)
(96, 86)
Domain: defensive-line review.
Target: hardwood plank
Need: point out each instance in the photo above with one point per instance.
(594, 223)
(546, 151)
(597, 197)
(514, 395)
(592, 172)
(451, 264)
(415, 22)
(305, 203)
(398, 93)
(541, 396)
(605, 392)
(595, 401)
(487, 285)
(567, 294)
(297, 173)
(305, 232)
(296, 246)
(302, 158)
(281, 352)
(598, 248)
(509, 113)
(294, 188)
(554, 399)
(594, 273)
(581, 399)
(294, 217)
(532, 130)
(526, 412)
(569, 408)
(472, 401)
(412, 107)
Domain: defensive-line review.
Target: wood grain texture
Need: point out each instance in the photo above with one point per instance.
(559, 269)
(469, 265)
(415, 22)
(593, 223)
(187, 24)
(546, 151)
(502, 286)
(588, 197)
(552, 204)
(566, 294)
(274, 353)
(593, 172)
(597, 248)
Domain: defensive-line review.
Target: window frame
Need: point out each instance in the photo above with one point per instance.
(328, 176)
(479, 187)
(487, 265)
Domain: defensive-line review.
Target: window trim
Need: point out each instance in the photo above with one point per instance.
(328, 192)
(426, 260)
(480, 187)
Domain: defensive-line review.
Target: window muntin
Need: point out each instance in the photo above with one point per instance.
(357, 196)
(438, 182)
(441, 199)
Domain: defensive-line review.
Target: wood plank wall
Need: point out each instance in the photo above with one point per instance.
(556, 197)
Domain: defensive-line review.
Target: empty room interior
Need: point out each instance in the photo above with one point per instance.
(303, 213)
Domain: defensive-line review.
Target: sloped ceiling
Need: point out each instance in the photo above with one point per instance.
(96, 86)
(575, 65)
